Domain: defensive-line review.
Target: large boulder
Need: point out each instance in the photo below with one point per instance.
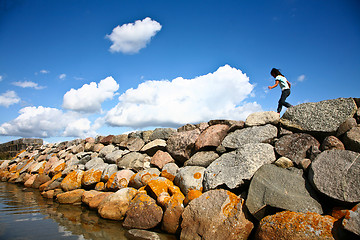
(181, 144)
(280, 188)
(212, 136)
(336, 173)
(161, 133)
(152, 147)
(70, 197)
(297, 226)
(143, 213)
(295, 146)
(114, 206)
(262, 118)
(236, 167)
(161, 158)
(217, 214)
(323, 118)
(256, 134)
(72, 181)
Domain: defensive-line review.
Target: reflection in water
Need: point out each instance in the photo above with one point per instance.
(26, 215)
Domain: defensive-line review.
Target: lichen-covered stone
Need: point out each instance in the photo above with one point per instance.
(296, 226)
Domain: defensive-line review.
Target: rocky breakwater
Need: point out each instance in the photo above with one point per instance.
(297, 177)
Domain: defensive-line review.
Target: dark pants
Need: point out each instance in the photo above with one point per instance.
(282, 102)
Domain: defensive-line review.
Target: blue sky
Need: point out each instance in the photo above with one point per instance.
(72, 69)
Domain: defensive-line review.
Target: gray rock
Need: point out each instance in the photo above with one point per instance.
(106, 150)
(233, 168)
(295, 146)
(352, 139)
(336, 173)
(134, 144)
(323, 118)
(257, 134)
(162, 133)
(188, 178)
(280, 188)
(94, 163)
(352, 221)
(113, 157)
(262, 118)
(135, 161)
(202, 159)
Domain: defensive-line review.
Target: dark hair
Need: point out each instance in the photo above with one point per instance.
(275, 72)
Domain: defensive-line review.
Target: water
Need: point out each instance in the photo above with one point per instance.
(26, 215)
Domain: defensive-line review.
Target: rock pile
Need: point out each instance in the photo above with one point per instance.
(297, 177)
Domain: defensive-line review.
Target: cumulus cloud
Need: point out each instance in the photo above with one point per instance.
(8, 98)
(47, 122)
(215, 95)
(28, 84)
(89, 97)
(301, 78)
(130, 38)
(1, 78)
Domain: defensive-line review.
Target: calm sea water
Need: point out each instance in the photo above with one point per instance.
(26, 215)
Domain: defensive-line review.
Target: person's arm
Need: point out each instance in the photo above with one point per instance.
(275, 85)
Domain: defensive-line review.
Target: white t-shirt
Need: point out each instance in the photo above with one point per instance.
(283, 82)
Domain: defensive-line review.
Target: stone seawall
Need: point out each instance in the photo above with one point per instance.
(10, 149)
(294, 177)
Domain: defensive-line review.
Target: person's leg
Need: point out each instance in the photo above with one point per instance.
(284, 95)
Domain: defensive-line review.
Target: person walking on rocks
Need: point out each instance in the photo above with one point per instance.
(285, 88)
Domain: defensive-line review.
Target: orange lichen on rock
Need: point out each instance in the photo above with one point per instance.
(296, 225)
(339, 212)
(197, 175)
(110, 181)
(13, 168)
(167, 175)
(56, 176)
(100, 186)
(158, 185)
(231, 204)
(91, 177)
(192, 194)
(72, 181)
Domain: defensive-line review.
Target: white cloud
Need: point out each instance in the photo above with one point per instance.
(28, 84)
(301, 78)
(89, 97)
(1, 78)
(81, 128)
(8, 98)
(173, 103)
(44, 71)
(130, 38)
(46, 122)
(62, 76)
